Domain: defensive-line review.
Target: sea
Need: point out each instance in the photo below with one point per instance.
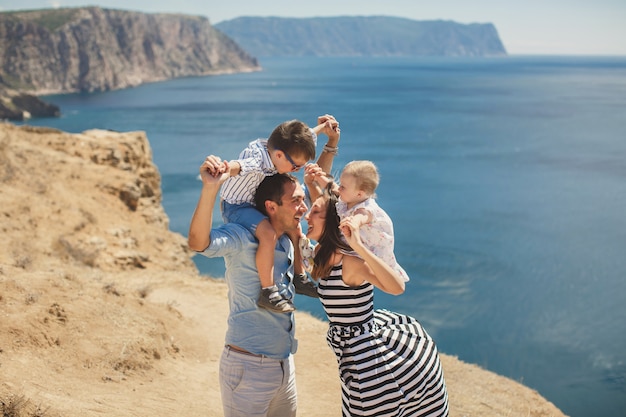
(505, 178)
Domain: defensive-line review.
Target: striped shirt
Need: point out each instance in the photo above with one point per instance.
(256, 164)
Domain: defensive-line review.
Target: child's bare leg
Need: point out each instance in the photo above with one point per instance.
(270, 298)
(265, 253)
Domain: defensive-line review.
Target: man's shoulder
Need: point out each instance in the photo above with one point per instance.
(234, 228)
(233, 233)
(243, 232)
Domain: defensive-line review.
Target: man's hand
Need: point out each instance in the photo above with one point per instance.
(214, 171)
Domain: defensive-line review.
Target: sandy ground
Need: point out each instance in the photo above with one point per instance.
(103, 313)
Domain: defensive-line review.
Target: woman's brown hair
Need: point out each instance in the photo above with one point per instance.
(331, 239)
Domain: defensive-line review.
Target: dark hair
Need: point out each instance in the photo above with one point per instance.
(331, 239)
(293, 137)
(272, 188)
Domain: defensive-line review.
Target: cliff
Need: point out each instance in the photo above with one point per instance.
(93, 49)
(16, 105)
(362, 35)
(104, 313)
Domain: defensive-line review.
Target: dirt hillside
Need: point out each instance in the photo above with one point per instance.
(102, 311)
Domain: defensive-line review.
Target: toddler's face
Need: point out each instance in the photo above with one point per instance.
(348, 191)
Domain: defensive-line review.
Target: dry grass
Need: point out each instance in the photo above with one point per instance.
(20, 406)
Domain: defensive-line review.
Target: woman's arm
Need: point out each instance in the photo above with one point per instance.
(370, 268)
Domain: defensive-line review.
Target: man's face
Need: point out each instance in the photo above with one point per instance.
(287, 216)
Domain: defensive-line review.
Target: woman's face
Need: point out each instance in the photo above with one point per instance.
(316, 219)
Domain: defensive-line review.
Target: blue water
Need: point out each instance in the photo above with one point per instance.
(505, 178)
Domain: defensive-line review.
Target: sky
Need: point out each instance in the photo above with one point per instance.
(526, 27)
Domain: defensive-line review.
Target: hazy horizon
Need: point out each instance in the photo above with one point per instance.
(533, 27)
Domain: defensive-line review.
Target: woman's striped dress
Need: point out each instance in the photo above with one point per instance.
(388, 364)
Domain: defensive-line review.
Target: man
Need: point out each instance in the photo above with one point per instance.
(258, 341)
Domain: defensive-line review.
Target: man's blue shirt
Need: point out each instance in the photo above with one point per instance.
(249, 327)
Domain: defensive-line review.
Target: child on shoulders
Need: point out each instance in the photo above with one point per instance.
(289, 147)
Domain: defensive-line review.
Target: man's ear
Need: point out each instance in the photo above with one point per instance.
(270, 206)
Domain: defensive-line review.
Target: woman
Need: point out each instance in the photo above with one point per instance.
(388, 364)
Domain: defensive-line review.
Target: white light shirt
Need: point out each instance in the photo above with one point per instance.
(377, 235)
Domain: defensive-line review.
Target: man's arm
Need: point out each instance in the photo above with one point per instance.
(202, 220)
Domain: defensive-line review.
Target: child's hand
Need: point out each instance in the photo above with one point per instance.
(323, 180)
(314, 173)
(311, 171)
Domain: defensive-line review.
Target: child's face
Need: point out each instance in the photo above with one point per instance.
(348, 191)
(285, 163)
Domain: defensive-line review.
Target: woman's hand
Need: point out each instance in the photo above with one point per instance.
(350, 228)
(373, 269)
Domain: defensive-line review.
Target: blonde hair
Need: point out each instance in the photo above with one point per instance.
(365, 174)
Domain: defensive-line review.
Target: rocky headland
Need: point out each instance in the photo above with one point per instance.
(103, 312)
(91, 49)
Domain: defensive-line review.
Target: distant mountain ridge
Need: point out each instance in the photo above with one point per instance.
(361, 36)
